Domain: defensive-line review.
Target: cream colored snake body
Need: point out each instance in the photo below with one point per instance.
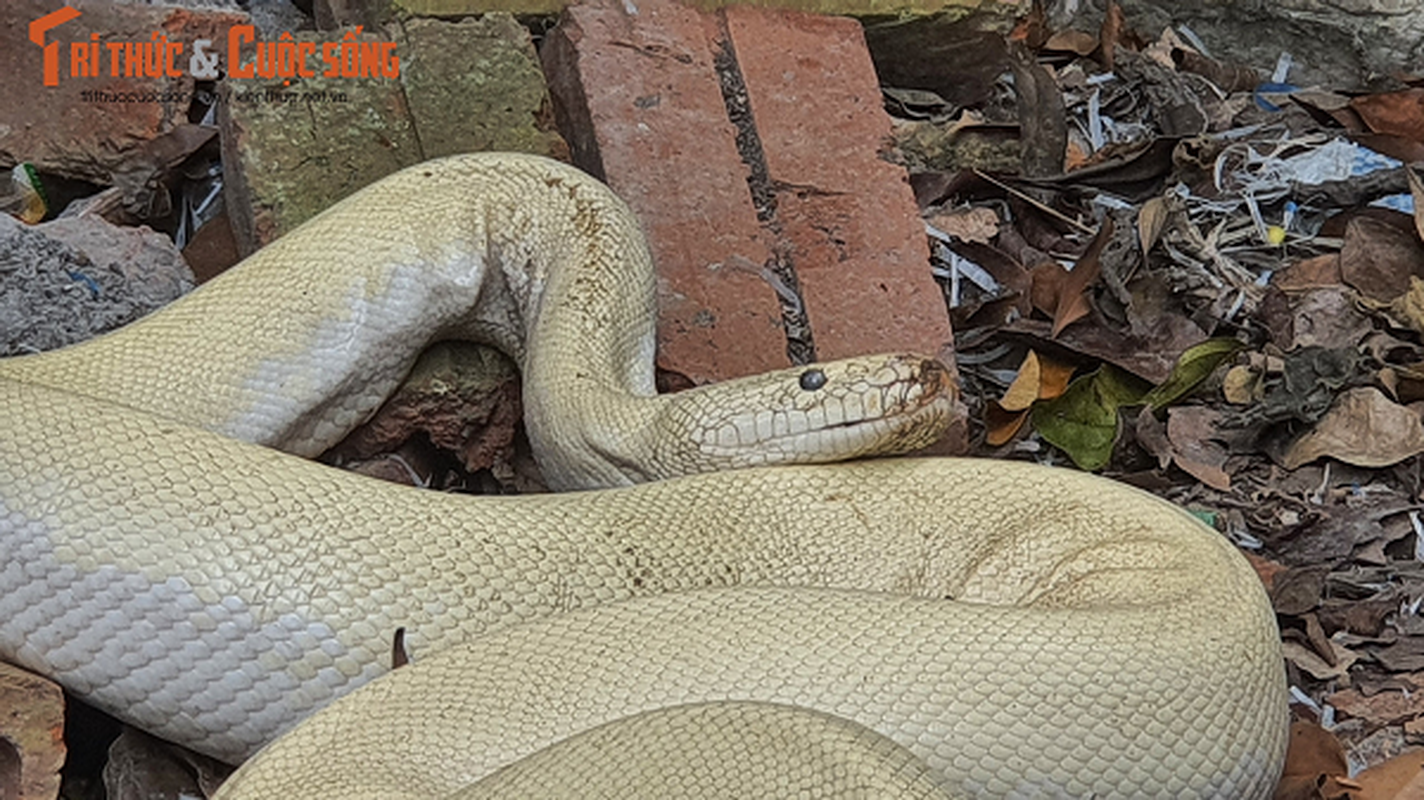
(1019, 631)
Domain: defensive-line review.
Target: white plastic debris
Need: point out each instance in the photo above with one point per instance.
(1196, 42)
(1283, 66)
(1095, 120)
(1418, 540)
(956, 267)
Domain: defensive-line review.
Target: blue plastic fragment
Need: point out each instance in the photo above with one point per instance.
(1272, 88)
(87, 281)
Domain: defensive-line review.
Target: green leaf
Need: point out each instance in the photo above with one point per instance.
(1120, 387)
(1083, 421)
(1080, 422)
(1192, 367)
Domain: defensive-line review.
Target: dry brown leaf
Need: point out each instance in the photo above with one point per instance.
(1406, 654)
(1298, 591)
(1071, 41)
(1024, 390)
(1266, 569)
(1226, 76)
(1363, 428)
(1322, 99)
(1412, 681)
(1045, 283)
(1402, 148)
(1190, 429)
(1113, 32)
(1408, 308)
(1151, 221)
(1072, 301)
(1150, 356)
(1039, 378)
(1054, 378)
(1032, 28)
(968, 224)
(1203, 470)
(1152, 437)
(1315, 636)
(1388, 380)
(1311, 662)
(1001, 425)
(1077, 156)
(1242, 385)
(1409, 381)
(1380, 709)
(1312, 273)
(1365, 618)
(1377, 258)
(1414, 730)
(1400, 778)
(1043, 119)
(1416, 190)
(1327, 317)
(1313, 751)
(1313, 754)
(1395, 113)
(1414, 790)
(1302, 787)
(1160, 51)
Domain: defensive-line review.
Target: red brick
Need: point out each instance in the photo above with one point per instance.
(639, 101)
(858, 246)
(32, 728)
(641, 106)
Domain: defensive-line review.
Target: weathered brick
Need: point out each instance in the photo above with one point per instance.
(31, 735)
(858, 246)
(881, 8)
(460, 397)
(640, 97)
(291, 151)
(641, 106)
(476, 85)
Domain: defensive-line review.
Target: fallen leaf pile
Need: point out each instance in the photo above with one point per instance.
(1198, 278)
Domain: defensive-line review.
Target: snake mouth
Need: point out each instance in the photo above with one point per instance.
(897, 433)
(906, 415)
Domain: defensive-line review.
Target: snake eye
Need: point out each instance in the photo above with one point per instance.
(812, 379)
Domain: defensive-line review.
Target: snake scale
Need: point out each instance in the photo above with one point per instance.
(896, 627)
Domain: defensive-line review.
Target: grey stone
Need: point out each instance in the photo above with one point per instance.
(142, 767)
(1338, 44)
(68, 280)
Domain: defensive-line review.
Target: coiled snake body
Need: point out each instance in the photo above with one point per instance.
(977, 628)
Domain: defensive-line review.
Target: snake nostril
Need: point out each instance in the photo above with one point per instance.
(932, 372)
(813, 379)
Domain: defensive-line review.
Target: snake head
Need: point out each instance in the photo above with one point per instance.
(824, 412)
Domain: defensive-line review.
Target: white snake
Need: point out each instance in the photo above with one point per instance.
(1015, 631)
